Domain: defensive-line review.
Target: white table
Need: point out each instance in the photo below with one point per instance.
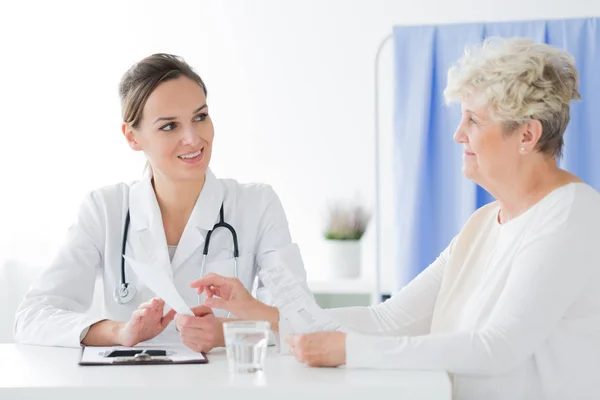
(32, 372)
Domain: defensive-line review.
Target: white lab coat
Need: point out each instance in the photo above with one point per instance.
(53, 312)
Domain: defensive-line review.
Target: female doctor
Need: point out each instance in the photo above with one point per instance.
(178, 214)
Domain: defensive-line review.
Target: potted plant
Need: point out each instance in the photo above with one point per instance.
(346, 224)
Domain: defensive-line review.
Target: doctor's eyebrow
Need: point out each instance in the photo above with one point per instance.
(197, 110)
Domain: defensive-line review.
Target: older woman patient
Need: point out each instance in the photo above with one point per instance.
(511, 308)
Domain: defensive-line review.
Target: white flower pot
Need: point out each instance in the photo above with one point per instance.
(343, 258)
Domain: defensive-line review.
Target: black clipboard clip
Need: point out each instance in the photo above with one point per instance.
(142, 358)
(138, 356)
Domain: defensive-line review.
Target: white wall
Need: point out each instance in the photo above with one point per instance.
(290, 91)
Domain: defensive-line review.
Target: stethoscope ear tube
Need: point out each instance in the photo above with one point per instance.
(123, 248)
(124, 293)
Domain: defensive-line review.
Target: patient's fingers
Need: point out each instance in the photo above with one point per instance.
(208, 280)
(211, 291)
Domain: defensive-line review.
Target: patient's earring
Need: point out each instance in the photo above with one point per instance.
(522, 150)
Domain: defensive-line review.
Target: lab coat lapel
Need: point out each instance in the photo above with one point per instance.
(204, 215)
(147, 233)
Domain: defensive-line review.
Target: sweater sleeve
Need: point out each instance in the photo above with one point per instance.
(408, 312)
(548, 274)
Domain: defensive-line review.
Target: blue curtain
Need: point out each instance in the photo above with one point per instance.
(433, 198)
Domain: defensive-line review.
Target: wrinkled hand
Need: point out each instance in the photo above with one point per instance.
(319, 349)
(145, 323)
(232, 295)
(200, 333)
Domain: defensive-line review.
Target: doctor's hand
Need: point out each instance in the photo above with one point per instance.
(319, 349)
(202, 332)
(145, 323)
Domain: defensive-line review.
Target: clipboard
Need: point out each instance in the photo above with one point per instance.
(140, 355)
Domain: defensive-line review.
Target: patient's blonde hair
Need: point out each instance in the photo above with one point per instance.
(519, 79)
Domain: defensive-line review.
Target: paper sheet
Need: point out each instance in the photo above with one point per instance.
(156, 278)
(298, 307)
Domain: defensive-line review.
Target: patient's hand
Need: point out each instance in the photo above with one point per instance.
(228, 294)
(319, 349)
(145, 323)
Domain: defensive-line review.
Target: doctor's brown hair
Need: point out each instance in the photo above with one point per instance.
(143, 77)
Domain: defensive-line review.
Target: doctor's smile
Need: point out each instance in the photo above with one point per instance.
(192, 158)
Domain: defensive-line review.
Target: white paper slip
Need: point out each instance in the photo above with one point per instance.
(155, 277)
(298, 307)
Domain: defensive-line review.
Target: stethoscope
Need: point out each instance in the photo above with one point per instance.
(124, 292)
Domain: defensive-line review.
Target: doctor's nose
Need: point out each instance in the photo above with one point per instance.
(190, 136)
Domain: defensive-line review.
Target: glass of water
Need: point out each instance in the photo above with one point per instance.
(246, 345)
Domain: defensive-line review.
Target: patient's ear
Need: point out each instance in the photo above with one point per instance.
(130, 136)
(530, 135)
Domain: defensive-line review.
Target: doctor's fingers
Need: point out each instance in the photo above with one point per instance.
(167, 318)
(201, 310)
(205, 336)
(145, 315)
(199, 335)
(137, 316)
(203, 322)
(154, 304)
(197, 345)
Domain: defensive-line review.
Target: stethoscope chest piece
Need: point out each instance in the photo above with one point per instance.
(124, 293)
